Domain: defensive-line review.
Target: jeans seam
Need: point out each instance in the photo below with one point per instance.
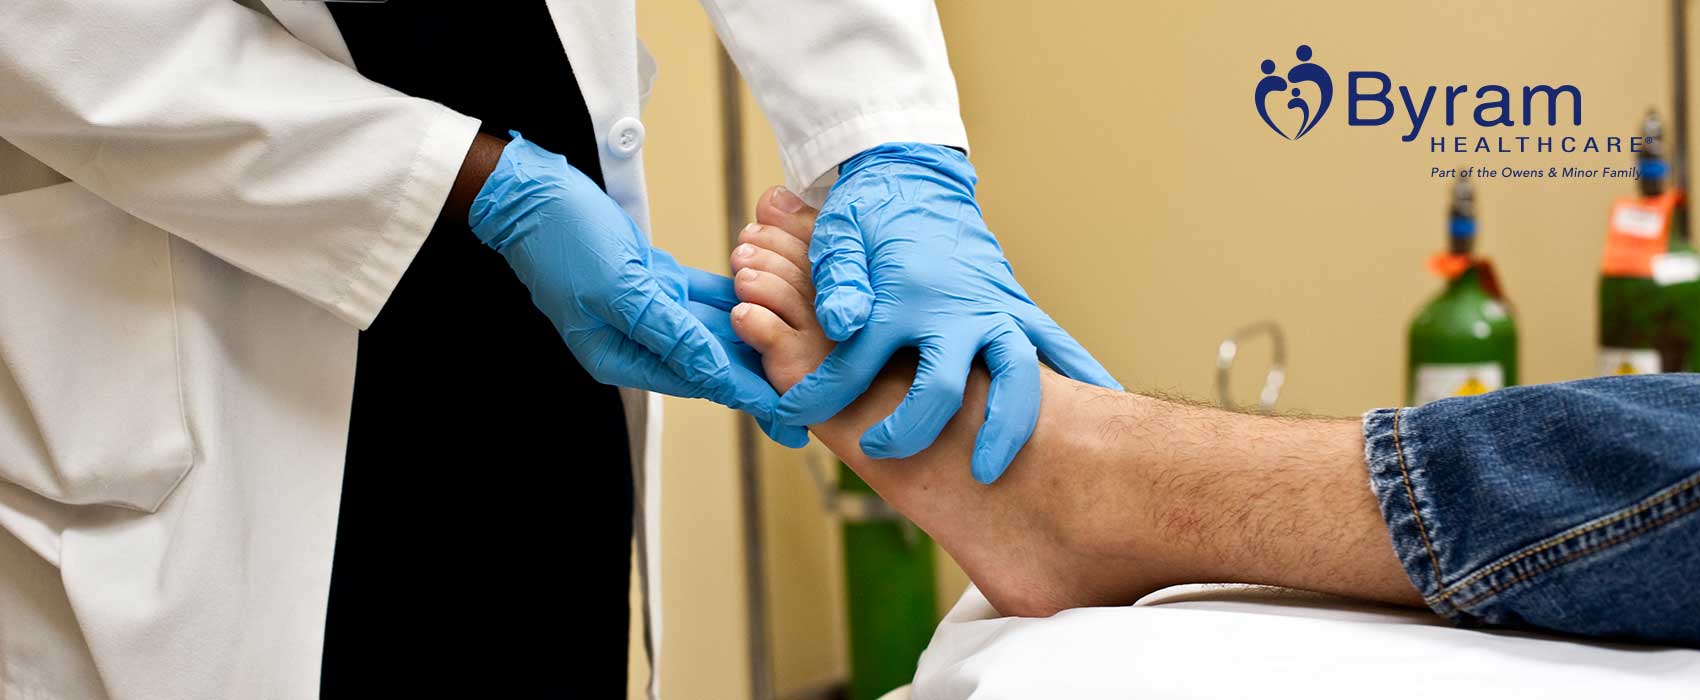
(1411, 494)
(1670, 493)
(1579, 554)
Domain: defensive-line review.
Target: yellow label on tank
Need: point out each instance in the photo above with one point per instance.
(1472, 387)
(1435, 381)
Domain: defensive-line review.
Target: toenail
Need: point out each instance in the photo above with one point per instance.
(744, 251)
(740, 311)
(785, 201)
(750, 229)
(747, 274)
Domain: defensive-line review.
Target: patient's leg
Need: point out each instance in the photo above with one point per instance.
(1114, 496)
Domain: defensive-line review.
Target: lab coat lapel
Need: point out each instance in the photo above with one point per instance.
(601, 42)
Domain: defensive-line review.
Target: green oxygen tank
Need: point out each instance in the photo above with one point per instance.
(1464, 341)
(1649, 274)
(891, 588)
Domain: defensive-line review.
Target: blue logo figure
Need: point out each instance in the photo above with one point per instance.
(1304, 72)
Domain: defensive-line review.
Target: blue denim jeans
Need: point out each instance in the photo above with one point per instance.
(1568, 507)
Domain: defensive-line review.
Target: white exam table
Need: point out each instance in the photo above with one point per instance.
(1217, 642)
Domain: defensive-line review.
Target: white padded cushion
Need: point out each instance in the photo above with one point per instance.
(1247, 641)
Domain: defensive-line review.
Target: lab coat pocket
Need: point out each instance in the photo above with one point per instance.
(91, 399)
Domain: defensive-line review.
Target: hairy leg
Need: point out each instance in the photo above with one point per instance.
(1114, 496)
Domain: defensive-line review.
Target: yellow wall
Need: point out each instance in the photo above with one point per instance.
(704, 635)
(1144, 205)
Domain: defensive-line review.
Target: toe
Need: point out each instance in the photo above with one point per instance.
(793, 249)
(761, 329)
(787, 355)
(773, 292)
(750, 256)
(783, 208)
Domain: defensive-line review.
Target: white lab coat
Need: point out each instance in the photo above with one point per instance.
(200, 206)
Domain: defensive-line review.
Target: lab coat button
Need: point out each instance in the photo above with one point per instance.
(626, 137)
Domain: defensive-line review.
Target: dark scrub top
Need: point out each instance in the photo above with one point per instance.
(484, 542)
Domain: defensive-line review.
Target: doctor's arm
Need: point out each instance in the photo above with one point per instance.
(862, 90)
(209, 121)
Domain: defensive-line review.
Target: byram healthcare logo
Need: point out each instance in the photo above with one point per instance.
(1374, 99)
(1304, 72)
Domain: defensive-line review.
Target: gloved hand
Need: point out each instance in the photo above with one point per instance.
(710, 298)
(902, 257)
(591, 270)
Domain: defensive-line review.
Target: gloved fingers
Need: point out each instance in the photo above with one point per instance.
(646, 314)
(782, 208)
(751, 394)
(612, 358)
(1064, 354)
(933, 398)
(844, 296)
(709, 288)
(625, 363)
(744, 389)
(793, 436)
(673, 276)
(1012, 404)
(719, 325)
(838, 381)
(745, 360)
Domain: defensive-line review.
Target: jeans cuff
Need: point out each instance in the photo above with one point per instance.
(1393, 450)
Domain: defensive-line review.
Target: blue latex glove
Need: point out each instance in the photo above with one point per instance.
(710, 298)
(902, 257)
(621, 306)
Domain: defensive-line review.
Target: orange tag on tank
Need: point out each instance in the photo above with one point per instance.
(1449, 266)
(1639, 229)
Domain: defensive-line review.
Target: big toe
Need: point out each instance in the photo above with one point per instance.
(782, 208)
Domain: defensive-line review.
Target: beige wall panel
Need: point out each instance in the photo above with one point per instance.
(1146, 207)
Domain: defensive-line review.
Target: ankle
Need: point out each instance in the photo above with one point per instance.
(1097, 444)
(1155, 492)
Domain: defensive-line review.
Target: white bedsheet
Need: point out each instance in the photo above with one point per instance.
(1243, 642)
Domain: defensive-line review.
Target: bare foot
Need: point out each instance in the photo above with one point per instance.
(1009, 537)
(1114, 496)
